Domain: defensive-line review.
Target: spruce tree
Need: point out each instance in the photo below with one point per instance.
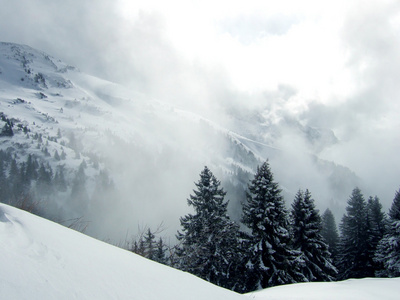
(388, 249)
(7, 129)
(79, 195)
(14, 181)
(45, 180)
(59, 179)
(376, 229)
(330, 233)
(149, 245)
(31, 168)
(353, 258)
(307, 238)
(208, 240)
(160, 252)
(4, 189)
(271, 260)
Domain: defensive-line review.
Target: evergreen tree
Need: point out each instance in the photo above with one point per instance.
(353, 258)
(7, 129)
(149, 245)
(59, 179)
(160, 252)
(63, 155)
(59, 133)
(45, 178)
(388, 249)
(31, 168)
(208, 240)
(4, 188)
(79, 195)
(14, 180)
(394, 211)
(25, 183)
(141, 248)
(376, 229)
(330, 233)
(271, 261)
(56, 156)
(307, 238)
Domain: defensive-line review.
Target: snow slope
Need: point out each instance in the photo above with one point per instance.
(43, 260)
(352, 289)
(40, 259)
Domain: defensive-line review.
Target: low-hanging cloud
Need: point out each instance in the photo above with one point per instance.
(248, 70)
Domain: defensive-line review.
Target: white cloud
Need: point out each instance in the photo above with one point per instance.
(340, 59)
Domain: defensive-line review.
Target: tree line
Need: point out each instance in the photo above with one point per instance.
(32, 184)
(273, 245)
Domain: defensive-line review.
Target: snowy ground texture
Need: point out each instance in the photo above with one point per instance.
(43, 260)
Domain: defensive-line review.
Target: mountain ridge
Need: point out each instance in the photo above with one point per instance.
(150, 151)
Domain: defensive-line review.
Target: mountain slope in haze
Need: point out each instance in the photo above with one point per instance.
(43, 260)
(128, 159)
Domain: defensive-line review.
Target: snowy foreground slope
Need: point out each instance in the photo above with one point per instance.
(352, 289)
(43, 260)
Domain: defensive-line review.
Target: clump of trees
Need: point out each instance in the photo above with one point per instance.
(32, 184)
(270, 246)
(273, 246)
(148, 246)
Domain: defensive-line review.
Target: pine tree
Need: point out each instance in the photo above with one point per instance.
(7, 129)
(141, 248)
(307, 238)
(271, 261)
(44, 182)
(149, 245)
(160, 252)
(330, 233)
(31, 168)
(4, 189)
(56, 155)
(394, 212)
(388, 249)
(63, 155)
(14, 180)
(59, 179)
(208, 240)
(79, 195)
(135, 247)
(353, 258)
(376, 229)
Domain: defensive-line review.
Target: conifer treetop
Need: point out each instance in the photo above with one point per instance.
(394, 212)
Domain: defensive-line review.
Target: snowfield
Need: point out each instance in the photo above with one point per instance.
(40, 259)
(352, 289)
(43, 260)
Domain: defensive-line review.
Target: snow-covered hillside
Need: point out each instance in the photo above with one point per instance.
(351, 289)
(148, 151)
(43, 260)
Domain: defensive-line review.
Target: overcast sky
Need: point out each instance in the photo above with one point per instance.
(340, 60)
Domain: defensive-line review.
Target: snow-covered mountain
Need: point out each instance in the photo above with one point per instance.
(43, 260)
(140, 156)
